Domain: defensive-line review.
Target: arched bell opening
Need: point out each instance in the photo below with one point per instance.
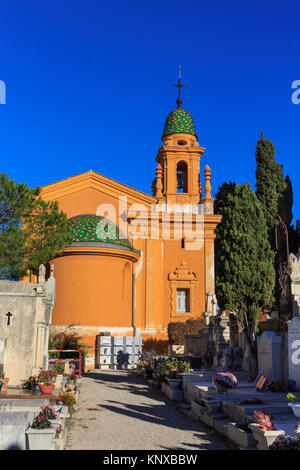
(182, 177)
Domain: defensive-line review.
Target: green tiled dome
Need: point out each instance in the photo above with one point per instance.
(95, 228)
(179, 121)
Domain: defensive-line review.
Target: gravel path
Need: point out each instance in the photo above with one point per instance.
(118, 411)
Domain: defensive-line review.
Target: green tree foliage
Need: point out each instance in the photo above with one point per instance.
(32, 231)
(273, 190)
(66, 340)
(245, 275)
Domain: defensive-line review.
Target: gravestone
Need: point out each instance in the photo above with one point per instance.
(294, 350)
(269, 355)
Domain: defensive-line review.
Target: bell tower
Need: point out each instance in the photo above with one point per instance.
(179, 157)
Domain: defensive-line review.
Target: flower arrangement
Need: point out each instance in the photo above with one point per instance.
(59, 367)
(170, 368)
(31, 383)
(47, 377)
(263, 420)
(226, 379)
(47, 411)
(58, 431)
(67, 398)
(41, 422)
(73, 378)
(284, 442)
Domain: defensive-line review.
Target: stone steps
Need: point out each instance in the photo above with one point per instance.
(227, 417)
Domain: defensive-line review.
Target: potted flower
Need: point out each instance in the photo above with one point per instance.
(263, 430)
(48, 412)
(284, 442)
(68, 399)
(58, 431)
(73, 378)
(41, 433)
(31, 383)
(294, 404)
(224, 381)
(46, 379)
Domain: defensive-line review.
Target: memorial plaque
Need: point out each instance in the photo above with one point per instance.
(294, 350)
(118, 340)
(105, 340)
(129, 340)
(105, 350)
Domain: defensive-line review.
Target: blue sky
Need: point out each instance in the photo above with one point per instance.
(89, 86)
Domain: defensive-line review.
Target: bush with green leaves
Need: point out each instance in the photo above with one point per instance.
(32, 231)
(67, 339)
(168, 367)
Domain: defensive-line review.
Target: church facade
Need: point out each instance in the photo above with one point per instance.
(136, 261)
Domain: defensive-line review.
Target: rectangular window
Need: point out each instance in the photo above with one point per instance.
(183, 300)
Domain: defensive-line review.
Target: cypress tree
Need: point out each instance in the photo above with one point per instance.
(245, 274)
(273, 190)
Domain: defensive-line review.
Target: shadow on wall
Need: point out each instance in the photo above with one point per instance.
(160, 346)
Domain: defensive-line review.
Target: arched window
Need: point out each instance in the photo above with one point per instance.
(182, 182)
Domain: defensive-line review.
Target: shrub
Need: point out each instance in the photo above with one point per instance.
(68, 339)
(170, 368)
(178, 330)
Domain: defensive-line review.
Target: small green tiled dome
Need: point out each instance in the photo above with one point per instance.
(179, 121)
(95, 228)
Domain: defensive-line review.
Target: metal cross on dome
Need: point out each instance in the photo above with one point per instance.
(179, 85)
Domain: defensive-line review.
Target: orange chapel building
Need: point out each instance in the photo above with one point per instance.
(132, 265)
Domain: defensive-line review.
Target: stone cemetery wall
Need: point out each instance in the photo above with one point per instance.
(25, 316)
